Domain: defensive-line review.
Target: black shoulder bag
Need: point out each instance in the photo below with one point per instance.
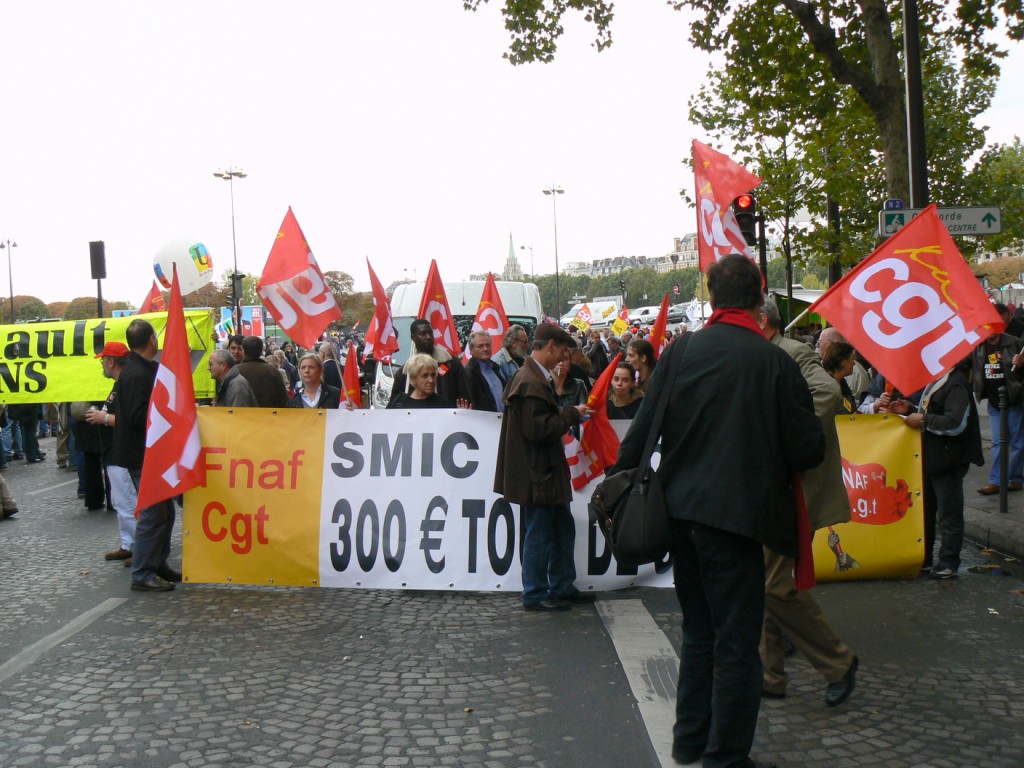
(629, 506)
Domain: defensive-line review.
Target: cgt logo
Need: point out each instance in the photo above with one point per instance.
(904, 310)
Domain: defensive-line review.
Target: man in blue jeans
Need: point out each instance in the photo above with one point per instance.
(992, 365)
(532, 471)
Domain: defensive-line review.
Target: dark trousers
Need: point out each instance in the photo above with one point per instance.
(944, 514)
(29, 437)
(152, 536)
(719, 580)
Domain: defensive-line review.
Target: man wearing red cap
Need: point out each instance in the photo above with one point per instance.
(122, 490)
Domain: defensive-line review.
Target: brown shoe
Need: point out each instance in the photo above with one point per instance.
(127, 563)
(118, 554)
(1014, 486)
(988, 490)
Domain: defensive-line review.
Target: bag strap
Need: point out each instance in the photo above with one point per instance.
(675, 353)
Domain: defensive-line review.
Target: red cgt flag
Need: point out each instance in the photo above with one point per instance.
(172, 428)
(719, 181)
(599, 444)
(154, 301)
(350, 377)
(657, 338)
(913, 307)
(490, 315)
(381, 341)
(434, 309)
(293, 288)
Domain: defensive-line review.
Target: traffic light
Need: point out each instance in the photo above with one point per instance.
(622, 286)
(745, 209)
(235, 297)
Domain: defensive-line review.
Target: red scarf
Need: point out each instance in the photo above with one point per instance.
(734, 316)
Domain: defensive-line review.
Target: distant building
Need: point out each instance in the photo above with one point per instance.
(1008, 252)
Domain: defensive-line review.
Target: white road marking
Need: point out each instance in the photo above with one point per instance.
(29, 656)
(651, 666)
(48, 488)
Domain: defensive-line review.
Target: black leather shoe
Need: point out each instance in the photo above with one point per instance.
(553, 604)
(169, 574)
(683, 757)
(581, 598)
(840, 691)
(156, 584)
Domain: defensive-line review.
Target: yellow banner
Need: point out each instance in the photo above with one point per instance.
(882, 472)
(54, 362)
(257, 521)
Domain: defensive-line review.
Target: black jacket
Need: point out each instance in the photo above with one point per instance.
(740, 421)
(480, 393)
(134, 388)
(952, 437)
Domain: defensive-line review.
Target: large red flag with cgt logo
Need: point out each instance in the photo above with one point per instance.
(913, 307)
(490, 315)
(293, 288)
(172, 428)
(719, 181)
(434, 309)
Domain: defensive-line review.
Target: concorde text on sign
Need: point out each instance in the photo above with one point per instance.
(981, 220)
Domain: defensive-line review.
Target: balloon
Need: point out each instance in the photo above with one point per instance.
(195, 265)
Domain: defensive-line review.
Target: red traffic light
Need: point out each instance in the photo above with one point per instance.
(745, 203)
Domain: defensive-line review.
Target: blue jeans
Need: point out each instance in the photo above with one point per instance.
(12, 436)
(1015, 441)
(549, 564)
(152, 536)
(719, 581)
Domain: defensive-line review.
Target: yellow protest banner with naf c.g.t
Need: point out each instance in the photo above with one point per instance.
(257, 518)
(882, 471)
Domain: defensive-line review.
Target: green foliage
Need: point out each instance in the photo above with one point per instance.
(31, 308)
(536, 25)
(998, 179)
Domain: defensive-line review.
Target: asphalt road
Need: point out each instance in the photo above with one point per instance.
(92, 674)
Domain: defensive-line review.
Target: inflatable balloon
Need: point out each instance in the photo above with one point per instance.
(195, 265)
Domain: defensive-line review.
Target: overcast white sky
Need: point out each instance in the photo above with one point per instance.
(393, 128)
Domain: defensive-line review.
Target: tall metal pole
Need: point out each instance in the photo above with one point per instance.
(555, 191)
(918, 156)
(10, 273)
(236, 284)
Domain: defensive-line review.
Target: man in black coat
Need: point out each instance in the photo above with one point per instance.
(486, 381)
(150, 570)
(739, 423)
(266, 382)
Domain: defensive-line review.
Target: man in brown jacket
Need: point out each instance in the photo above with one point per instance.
(788, 611)
(532, 471)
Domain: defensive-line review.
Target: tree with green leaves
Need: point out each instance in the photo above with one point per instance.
(998, 179)
(854, 45)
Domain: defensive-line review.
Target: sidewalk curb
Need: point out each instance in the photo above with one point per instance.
(995, 530)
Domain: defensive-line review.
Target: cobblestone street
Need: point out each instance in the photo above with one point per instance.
(95, 675)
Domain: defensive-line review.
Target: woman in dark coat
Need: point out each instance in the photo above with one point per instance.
(422, 372)
(314, 393)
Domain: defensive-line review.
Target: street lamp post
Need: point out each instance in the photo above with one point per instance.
(10, 246)
(533, 276)
(236, 284)
(555, 192)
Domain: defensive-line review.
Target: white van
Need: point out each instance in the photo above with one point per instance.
(644, 315)
(521, 302)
